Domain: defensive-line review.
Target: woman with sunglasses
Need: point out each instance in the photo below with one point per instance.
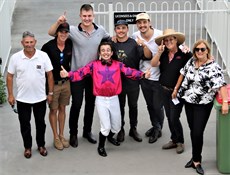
(199, 82)
(170, 58)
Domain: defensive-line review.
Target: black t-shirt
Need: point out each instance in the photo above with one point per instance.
(170, 72)
(55, 56)
(129, 53)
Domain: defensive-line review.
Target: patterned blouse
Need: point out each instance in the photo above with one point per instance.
(200, 84)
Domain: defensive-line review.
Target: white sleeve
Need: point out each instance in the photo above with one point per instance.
(48, 64)
(11, 65)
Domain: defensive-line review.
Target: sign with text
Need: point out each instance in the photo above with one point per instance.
(130, 17)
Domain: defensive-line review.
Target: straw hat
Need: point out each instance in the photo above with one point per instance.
(170, 32)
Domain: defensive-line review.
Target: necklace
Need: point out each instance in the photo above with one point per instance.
(171, 55)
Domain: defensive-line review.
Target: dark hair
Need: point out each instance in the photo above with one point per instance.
(114, 56)
(86, 7)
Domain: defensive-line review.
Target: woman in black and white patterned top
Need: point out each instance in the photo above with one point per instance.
(198, 84)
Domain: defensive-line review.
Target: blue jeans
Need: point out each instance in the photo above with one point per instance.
(173, 115)
(152, 92)
(77, 91)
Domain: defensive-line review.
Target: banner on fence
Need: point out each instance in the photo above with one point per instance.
(130, 17)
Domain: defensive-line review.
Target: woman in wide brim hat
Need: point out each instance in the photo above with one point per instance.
(171, 32)
(170, 58)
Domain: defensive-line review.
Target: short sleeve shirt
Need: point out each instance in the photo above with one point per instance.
(145, 64)
(200, 84)
(30, 75)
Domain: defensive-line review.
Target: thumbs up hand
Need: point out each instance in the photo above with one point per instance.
(63, 72)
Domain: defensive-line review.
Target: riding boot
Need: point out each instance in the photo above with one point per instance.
(112, 140)
(101, 145)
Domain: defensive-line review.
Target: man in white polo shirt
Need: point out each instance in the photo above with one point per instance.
(29, 67)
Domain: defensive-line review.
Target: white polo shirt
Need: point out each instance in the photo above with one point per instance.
(30, 75)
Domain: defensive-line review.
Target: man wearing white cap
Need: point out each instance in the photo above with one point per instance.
(151, 88)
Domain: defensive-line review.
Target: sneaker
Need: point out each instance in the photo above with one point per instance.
(58, 144)
(180, 148)
(169, 145)
(64, 142)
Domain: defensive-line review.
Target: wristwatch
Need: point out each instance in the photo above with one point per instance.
(51, 93)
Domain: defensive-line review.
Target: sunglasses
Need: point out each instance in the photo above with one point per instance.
(168, 40)
(200, 49)
(61, 57)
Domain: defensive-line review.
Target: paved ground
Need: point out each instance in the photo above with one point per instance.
(130, 158)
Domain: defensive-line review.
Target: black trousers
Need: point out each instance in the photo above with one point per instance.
(24, 115)
(152, 92)
(197, 117)
(173, 115)
(132, 94)
(80, 89)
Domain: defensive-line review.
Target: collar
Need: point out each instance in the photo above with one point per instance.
(106, 62)
(80, 28)
(25, 57)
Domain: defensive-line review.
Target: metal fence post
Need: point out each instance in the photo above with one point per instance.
(111, 20)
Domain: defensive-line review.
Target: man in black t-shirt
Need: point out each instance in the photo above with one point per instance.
(130, 53)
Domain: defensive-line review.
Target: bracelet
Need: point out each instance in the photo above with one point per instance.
(225, 101)
(51, 93)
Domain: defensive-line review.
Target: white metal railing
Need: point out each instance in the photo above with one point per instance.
(218, 27)
(6, 11)
(205, 19)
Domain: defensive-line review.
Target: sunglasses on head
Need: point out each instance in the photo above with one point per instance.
(200, 49)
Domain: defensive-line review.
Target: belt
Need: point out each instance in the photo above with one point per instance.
(60, 82)
(167, 88)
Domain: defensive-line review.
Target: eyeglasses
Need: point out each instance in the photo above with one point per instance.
(168, 40)
(200, 49)
(61, 57)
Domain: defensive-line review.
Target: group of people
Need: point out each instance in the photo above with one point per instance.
(84, 61)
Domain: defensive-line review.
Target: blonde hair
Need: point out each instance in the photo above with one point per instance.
(205, 42)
